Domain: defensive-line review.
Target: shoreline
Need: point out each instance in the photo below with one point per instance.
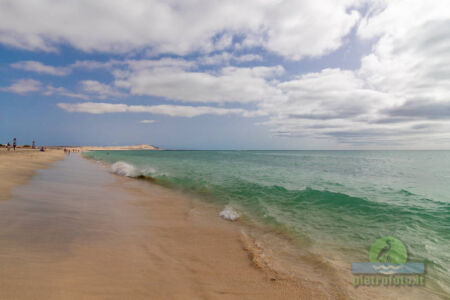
(119, 237)
(281, 256)
(142, 147)
(18, 167)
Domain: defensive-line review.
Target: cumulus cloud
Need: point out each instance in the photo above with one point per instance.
(227, 57)
(412, 56)
(399, 92)
(302, 28)
(38, 67)
(290, 28)
(61, 91)
(23, 86)
(315, 103)
(230, 84)
(169, 110)
(100, 90)
(94, 65)
(420, 110)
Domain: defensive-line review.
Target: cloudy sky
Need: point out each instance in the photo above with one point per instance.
(228, 74)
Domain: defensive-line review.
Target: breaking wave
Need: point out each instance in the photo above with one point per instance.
(124, 169)
(229, 213)
(344, 201)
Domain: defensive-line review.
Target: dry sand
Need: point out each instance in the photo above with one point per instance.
(17, 167)
(75, 231)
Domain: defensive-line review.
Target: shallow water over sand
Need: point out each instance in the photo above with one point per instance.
(335, 203)
(78, 232)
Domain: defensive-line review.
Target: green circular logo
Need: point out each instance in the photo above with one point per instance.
(388, 249)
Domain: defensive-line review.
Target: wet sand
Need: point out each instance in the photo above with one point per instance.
(17, 167)
(76, 231)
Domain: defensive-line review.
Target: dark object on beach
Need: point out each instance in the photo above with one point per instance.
(9, 146)
(33, 145)
(14, 144)
(42, 149)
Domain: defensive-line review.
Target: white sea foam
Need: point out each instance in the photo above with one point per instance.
(149, 171)
(124, 169)
(229, 213)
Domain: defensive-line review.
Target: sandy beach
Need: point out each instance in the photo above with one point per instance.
(76, 231)
(226, 149)
(17, 167)
(119, 238)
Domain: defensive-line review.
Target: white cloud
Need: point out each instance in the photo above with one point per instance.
(93, 108)
(411, 59)
(147, 121)
(93, 65)
(412, 55)
(230, 84)
(216, 59)
(227, 57)
(291, 28)
(169, 110)
(248, 57)
(38, 67)
(314, 103)
(303, 28)
(400, 93)
(100, 90)
(23, 86)
(26, 86)
(61, 91)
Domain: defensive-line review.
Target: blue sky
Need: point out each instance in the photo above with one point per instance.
(286, 74)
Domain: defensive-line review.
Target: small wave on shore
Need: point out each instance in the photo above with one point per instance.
(334, 214)
(124, 169)
(229, 213)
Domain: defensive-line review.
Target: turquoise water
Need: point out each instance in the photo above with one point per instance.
(339, 200)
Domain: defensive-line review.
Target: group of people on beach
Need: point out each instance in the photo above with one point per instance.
(67, 151)
(14, 145)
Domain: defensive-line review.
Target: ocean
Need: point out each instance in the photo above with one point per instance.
(341, 201)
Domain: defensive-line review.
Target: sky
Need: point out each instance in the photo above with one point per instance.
(228, 74)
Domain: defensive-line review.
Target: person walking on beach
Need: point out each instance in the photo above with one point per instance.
(8, 146)
(14, 144)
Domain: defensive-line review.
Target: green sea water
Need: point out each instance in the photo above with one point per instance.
(339, 200)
